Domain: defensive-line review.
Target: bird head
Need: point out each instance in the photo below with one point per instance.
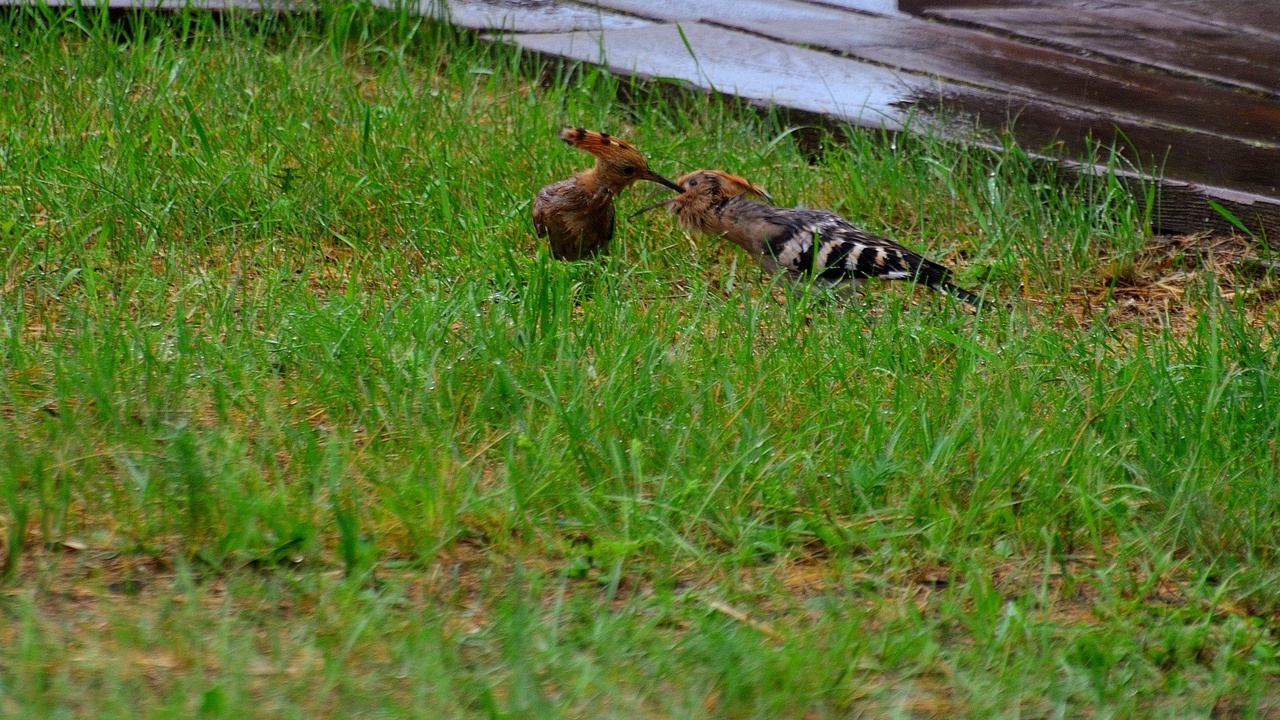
(701, 189)
(715, 185)
(618, 163)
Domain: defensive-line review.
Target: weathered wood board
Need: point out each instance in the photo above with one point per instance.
(755, 10)
(539, 17)
(1261, 16)
(756, 69)
(1141, 36)
(1248, 15)
(997, 63)
(1193, 130)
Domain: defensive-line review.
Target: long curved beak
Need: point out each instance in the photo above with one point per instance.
(655, 177)
(647, 208)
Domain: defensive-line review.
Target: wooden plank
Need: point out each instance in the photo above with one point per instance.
(684, 11)
(1183, 208)
(525, 17)
(920, 7)
(1187, 208)
(1157, 152)
(1252, 16)
(760, 71)
(879, 7)
(1145, 36)
(1256, 16)
(1039, 73)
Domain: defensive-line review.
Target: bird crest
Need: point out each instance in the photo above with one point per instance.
(720, 183)
(602, 145)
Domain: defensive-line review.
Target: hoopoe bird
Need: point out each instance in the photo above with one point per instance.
(800, 243)
(576, 215)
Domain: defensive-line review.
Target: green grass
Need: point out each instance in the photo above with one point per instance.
(298, 419)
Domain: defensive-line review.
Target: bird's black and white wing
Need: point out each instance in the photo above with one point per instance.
(823, 245)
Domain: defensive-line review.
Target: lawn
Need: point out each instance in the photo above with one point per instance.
(298, 419)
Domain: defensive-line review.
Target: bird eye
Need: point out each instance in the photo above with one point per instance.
(628, 170)
(693, 183)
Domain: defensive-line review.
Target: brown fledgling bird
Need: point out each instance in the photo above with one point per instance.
(576, 215)
(799, 242)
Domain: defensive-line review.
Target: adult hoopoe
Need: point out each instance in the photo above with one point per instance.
(800, 242)
(576, 215)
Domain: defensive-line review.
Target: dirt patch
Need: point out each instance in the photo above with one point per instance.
(1167, 282)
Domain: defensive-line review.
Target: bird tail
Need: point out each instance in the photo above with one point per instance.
(947, 288)
(937, 277)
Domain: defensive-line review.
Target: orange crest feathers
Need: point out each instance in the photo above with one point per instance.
(740, 185)
(725, 184)
(600, 144)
